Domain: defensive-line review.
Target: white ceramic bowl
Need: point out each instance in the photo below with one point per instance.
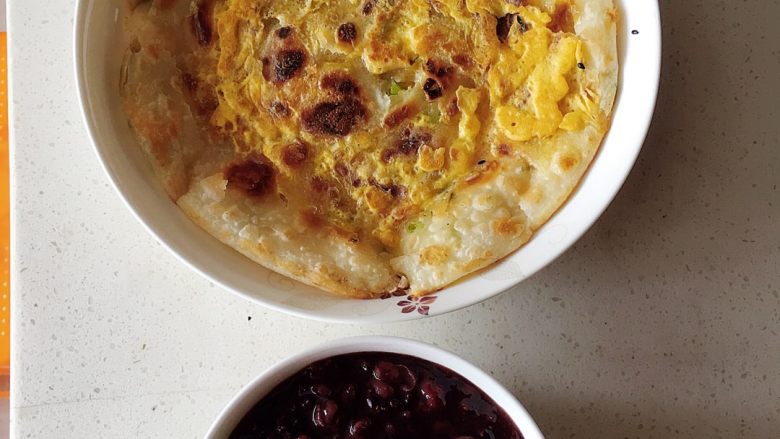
(254, 391)
(97, 59)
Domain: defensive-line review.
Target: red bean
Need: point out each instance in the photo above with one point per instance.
(381, 389)
(385, 371)
(320, 390)
(324, 413)
(431, 396)
(408, 380)
(359, 428)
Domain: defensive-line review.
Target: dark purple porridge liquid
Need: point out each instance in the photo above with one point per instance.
(376, 395)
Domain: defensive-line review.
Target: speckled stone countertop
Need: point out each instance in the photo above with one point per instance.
(663, 321)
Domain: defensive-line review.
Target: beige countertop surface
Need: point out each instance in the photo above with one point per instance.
(662, 321)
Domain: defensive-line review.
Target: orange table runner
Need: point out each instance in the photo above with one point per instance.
(5, 300)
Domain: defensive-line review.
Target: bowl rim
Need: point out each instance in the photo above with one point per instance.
(258, 387)
(642, 118)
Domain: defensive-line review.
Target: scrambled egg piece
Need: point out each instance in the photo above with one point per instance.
(372, 109)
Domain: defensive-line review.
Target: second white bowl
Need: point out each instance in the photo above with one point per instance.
(230, 416)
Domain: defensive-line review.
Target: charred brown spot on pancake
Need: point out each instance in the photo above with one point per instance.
(395, 190)
(503, 26)
(280, 109)
(254, 176)
(341, 169)
(388, 154)
(319, 185)
(205, 106)
(452, 107)
(411, 141)
(266, 68)
(368, 7)
(323, 188)
(339, 82)
(392, 189)
(463, 60)
(202, 102)
(135, 46)
(347, 33)
(284, 32)
(294, 154)
(561, 19)
(432, 89)
(408, 144)
(503, 149)
(190, 82)
(437, 68)
(287, 63)
(335, 118)
(523, 26)
(201, 22)
(400, 114)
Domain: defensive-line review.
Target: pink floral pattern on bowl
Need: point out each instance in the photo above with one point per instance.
(421, 304)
